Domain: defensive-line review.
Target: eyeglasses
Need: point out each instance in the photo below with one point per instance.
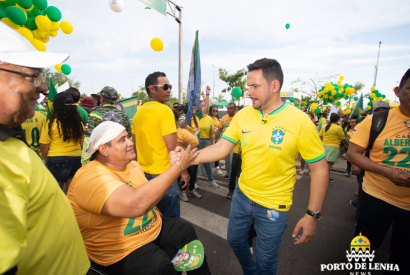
(38, 78)
(354, 121)
(165, 86)
(214, 111)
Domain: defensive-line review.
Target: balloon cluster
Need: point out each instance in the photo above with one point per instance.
(333, 92)
(236, 93)
(34, 20)
(374, 97)
(315, 108)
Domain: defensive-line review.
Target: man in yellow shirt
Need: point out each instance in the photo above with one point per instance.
(38, 231)
(270, 143)
(154, 136)
(223, 125)
(32, 128)
(385, 201)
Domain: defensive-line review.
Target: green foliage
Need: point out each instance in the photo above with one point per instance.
(237, 79)
(358, 86)
(60, 79)
(83, 95)
(120, 96)
(218, 99)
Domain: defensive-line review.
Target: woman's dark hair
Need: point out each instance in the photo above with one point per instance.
(333, 119)
(311, 115)
(175, 115)
(193, 115)
(211, 108)
(69, 120)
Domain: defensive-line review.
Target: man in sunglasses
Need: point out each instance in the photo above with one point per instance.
(38, 229)
(154, 136)
(385, 200)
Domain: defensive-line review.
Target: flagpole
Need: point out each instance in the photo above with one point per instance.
(377, 66)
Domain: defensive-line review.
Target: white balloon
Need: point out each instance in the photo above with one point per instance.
(116, 5)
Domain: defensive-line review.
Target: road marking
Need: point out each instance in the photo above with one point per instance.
(205, 219)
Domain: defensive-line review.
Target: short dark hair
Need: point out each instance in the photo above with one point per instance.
(234, 105)
(152, 79)
(271, 70)
(175, 115)
(404, 78)
(97, 99)
(75, 93)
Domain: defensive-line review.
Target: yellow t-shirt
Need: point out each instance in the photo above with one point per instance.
(38, 230)
(333, 136)
(350, 133)
(193, 129)
(32, 127)
(224, 123)
(151, 122)
(216, 122)
(185, 138)
(109, 239)
(205, 126)
(269, 151)
(390, 149)
(59, 147)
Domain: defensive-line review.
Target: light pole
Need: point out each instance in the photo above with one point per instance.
(213, 93)
(377, 66)
(132, 85)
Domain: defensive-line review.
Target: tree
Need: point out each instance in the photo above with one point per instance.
(60, 79)
(84, 95)
(358, 86)
(220, 98)
(237, 79)
(120, 96)
(311, 86)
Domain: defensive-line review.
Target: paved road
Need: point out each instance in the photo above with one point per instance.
(334, 234)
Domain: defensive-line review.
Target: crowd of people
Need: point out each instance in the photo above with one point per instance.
(124, 184)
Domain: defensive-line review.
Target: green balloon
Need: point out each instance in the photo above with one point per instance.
(40, 4)
(25, 4)
(233, 98)
(53, 14)
(329, 93)
(236, 92)
(8, 3)
(287, 26)
(36, 12)
(338, 103)
(291, 99)
(356, 98)
(317, 111)
(66, 69)
(383, 96)
(324, 101)
(31, 22)
(346, 97)
(16, 15)
(2, 13)
(369, 103)
(298, 107)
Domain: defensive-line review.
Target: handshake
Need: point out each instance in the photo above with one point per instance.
(185, 157)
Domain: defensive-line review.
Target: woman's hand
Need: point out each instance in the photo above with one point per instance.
(175, 155)
(188, 157)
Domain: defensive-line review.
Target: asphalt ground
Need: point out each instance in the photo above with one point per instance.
(333, 237)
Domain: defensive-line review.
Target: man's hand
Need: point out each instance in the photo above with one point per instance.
(355, 170)
(185, 178)
(175, 155)
(308, 225)
(208, 89)
(203, 94)
(399, 178)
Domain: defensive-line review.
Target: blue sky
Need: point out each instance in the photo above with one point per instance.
(324, 38)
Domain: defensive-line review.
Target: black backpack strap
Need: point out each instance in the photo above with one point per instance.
(378, 123)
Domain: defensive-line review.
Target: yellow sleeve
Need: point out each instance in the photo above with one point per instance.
(362, 135)
(167, 123)
(221, 123)
(13, 216)
(189, 139)
(232, 133)
(44, 136)
(341, 134)
(93, 187)
(309, 143)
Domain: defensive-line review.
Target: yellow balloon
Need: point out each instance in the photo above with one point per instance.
(313, 106)
(9, 23)
(156, 44)
(32, 6)
(372, 89)
(40, 46)
(55, 26)
(348, 112)
(339, 82)
(339, 107)
(66, 27)
(348, 106)
(387, 100)
(58, 67)
(43, 23)
(283, 94)
(26, 33)
(372, 95)
(353, 106)
(368, 108)
(53, 34)
(333, 92)
(341, 77)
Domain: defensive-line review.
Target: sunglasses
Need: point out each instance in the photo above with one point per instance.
(165, 86)
(214, 111)
(38, 78)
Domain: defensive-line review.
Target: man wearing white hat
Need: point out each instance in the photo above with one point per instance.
(38, 231)
(115, 207)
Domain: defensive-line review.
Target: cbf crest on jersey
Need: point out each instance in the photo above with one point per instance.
(278, 135)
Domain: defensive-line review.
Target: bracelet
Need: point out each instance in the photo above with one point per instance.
(182, 168)
(208, 94)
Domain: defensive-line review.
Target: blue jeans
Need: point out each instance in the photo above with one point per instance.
(63, 168)
(270, 225)
(169, 204)
(205, 143)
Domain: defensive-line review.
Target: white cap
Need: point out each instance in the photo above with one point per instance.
(103, 133)
(15, 49)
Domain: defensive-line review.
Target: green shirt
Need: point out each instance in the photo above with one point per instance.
(83, 113)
